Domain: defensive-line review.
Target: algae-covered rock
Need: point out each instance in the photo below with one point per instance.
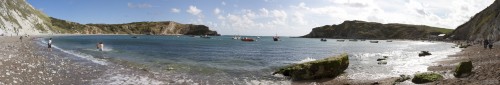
(426, 77)
(324, 68)
(463, 68)
(424, 53)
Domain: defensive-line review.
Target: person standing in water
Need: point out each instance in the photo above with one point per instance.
(100, 46)
(50, 44)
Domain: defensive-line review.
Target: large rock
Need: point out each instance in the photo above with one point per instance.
(463, 68)
(421, 78)
(325, 68)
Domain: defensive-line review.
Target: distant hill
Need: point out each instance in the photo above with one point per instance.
(153, 28)
(17, 17)
(372, 30)
(485, 24)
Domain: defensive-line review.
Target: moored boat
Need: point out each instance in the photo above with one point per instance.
(373, 41)
(389, 40)
(323, 39)
(247, 39)
(340, 40)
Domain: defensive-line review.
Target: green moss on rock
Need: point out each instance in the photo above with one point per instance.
(463, 68)
(325, 68)
(421, 78)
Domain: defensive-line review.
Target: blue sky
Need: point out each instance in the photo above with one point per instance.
(265, 17)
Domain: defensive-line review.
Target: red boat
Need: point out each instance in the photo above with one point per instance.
(247, 39)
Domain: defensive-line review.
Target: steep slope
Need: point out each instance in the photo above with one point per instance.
(153, 28)
(19, 17)
(373, 30)
(484, 25)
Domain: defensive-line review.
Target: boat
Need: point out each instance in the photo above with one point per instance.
(323, 39)
(206, 36)
(247, 39)
(363, 39)
(340, 40)
(276, 38)
(134, 37)
(389, 40)
(373, 41)
(258, 37)
(353, 40)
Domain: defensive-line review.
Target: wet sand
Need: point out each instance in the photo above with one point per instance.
(486, 64)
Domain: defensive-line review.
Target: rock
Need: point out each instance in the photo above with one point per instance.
(424, 53)
(325, 68)
(380, 59)
(463, 68)
(386, 57)
(402, 78)
(464, 46)
(421, 78)
(382, 62)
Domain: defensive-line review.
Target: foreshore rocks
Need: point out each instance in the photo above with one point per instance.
(463, 68)
(424, 53)
(421, 78)
(325, 68)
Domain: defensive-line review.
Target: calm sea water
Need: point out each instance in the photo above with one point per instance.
(222, 60)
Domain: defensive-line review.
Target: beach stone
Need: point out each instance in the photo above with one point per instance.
(424, 53)
(382, 62)
(325, 68)
(421, 78)
(463, 68)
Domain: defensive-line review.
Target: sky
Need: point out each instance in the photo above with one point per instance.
(264, 17)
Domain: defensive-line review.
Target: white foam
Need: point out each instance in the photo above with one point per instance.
(308, 59)
(77, 54)
(120, 79)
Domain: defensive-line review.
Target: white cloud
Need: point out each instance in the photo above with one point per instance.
(140, 5)
(175, 10)
(194, 11)
(216, 11)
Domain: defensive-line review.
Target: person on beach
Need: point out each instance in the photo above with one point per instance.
(50, 44)
(485, 43)
(21, 38)
(490, 45)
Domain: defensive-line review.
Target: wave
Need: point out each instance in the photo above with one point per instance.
(75, 53)
(308, 59)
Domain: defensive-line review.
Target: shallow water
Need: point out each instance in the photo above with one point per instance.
(222, 60)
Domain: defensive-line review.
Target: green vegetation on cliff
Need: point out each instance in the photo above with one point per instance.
(484, 25)
(325, 68)
(373, 30)
(153, 28)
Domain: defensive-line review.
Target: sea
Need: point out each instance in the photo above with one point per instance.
(223, 60)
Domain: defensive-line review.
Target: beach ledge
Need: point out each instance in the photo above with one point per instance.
(329, 67)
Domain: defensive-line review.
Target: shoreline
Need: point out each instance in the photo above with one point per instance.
(486, 64)
(102, 75)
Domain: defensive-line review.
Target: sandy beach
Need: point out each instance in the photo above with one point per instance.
(28, 63)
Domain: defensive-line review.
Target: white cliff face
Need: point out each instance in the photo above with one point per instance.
(17, 17)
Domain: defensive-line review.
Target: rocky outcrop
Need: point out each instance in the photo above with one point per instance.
(17, 17)
(151, 28)
(421, 78)
(373, 30)
(463, 68)
(325, 68)
(484, 25)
